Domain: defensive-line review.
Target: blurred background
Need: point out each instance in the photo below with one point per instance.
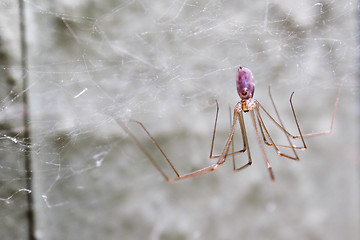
(164, 63)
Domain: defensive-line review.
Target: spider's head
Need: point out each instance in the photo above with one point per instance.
(245, 83)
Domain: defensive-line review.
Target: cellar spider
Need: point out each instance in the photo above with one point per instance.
(245, 87)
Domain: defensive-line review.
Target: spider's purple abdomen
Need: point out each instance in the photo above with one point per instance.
(245, 83)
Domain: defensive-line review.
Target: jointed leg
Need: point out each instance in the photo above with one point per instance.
(272, 143)
(297, 124)
(225, 151)
(213, 136)
(202, 171)
(262, 146)
(332, 118)
(245, 141)
(122, 125)
(262, 126)
(281, 126)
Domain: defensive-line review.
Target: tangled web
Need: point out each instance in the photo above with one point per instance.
(163, 63)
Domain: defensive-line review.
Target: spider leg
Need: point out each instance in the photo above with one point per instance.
(245, 141)
(262, 132)
(302, 136)
(262, 146)
(232, 140)
(178, 177)
(332, 117)
(142, 148)
(281, 126)
(303, 147)
(244, 137)
(272, 143)
(261, 123)
(199, 172)
(213, 136)
(225, 151)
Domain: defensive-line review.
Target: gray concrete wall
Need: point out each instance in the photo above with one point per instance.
(164, 63)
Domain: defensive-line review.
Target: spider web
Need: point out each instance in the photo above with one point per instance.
(165, 63)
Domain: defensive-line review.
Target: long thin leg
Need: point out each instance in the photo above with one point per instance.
(225, 151)
(122, 125)
(332, 118)
(245, 141)
(202, 171)
(213, 136)
(232, 140)
(264, 129)
(282, 125)
(302, 136)
(297, 125)
(303, 147)
(295, 118)
(262, 146)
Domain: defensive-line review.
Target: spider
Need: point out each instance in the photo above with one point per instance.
(245, 87)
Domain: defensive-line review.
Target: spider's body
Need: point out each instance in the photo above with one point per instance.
(245, 83)
(245, 86)
(246, 105)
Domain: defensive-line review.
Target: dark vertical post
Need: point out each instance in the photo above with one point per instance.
(358, 75)
(26, 111)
